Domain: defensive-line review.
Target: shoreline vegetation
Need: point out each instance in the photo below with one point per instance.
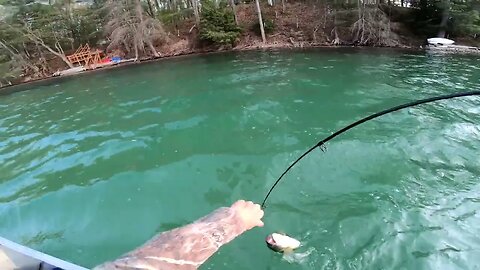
(7, 89)
(37, 40)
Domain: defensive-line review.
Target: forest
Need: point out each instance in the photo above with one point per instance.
(36, 36)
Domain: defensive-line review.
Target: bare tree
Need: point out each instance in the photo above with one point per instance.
(372, 27)
(30, 34)
(129, 29)
(260, 21)
(336, 38)
(444, 21)
(152, 10)
(232, 3)
(359, 26)
(21, 61)
(58, 52)
(196, 12)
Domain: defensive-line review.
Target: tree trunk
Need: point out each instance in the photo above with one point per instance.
(336, 40)
(69, 9)
(17, 57)
(126, 46)
(232, 3)
(37, 40)
(60, 55)
(358, 23)
(150, 9)
(315, 33)
(136, 50)
(144, 40)
(5, 46)
(443, 24)
(260, 21)
(152, 48)
(196, 13)
(283, 6)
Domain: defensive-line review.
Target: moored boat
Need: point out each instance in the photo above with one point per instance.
(443, 45)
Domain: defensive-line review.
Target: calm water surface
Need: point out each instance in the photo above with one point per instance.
(95, 165)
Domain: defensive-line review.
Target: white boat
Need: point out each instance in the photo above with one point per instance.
(14, 256)
(440, 41)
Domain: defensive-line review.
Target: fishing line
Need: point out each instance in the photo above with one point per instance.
(321, 144)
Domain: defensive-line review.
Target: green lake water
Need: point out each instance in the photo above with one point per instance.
(93, 166)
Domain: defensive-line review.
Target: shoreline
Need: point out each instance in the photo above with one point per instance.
(9, 89)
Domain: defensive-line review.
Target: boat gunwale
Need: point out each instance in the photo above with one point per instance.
(37, 255)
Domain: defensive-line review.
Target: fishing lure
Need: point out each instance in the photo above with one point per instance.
(321, 144)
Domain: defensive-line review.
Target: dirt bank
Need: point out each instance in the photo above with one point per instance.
(298, 25)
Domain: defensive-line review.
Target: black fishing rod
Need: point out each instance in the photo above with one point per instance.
(321, 144)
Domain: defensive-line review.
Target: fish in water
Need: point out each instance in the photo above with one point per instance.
(283, 243)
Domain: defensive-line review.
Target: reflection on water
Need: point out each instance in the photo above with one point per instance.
(95, 165)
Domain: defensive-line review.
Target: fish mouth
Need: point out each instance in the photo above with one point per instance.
(272, 244)
(270, 241)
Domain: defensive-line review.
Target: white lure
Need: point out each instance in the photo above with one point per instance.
(282, 242)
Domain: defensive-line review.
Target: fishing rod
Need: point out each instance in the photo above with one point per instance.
(321, 144)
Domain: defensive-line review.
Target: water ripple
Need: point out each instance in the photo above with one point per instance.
(154, 146)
